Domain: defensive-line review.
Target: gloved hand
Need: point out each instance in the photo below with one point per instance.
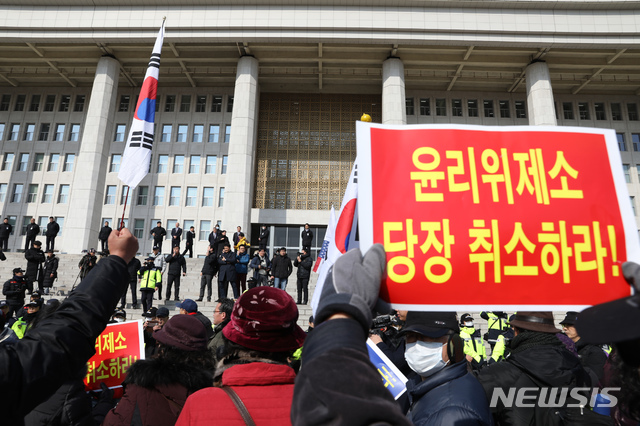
(352, 286)
(631, 272)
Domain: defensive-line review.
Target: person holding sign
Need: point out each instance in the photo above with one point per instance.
(36, 366)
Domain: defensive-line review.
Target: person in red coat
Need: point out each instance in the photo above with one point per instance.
(253, 364)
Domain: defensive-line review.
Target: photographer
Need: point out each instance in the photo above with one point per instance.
(149, 276)
(304, 263)
(384, 333)
(15, 289)
(261, 266)
(156, 318)
(87, 263)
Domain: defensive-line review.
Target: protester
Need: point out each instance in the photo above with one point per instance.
(221, 317)
(36, 366)
(616, 322)
(189, 307)
(281, 268)
(538, 359)
(261, 266)
(242, 241)
(209, 267)
(337, 383)
(242, 267)
(221, 241)
(156, 389)
(15, 289)
(50, 271)
(103, 236)
(227, 273)
(253, 366)
(156, 318)
(592, 357)
(35, 259)
(304, 264)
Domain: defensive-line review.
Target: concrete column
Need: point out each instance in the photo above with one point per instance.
(87, 190)
(540, 95)
(394, 108)
(242, 146)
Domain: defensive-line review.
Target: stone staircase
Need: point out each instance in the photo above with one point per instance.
(189, 285)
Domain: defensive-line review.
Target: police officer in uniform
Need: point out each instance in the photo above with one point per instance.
(473, 344)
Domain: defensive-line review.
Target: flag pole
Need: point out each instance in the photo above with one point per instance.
(126, 198)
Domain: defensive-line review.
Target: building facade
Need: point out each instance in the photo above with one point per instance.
(257, 101)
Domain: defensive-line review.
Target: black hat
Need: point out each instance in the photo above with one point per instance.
(151, 313)
(162, 312)
(609, 322)
(150, 259)
(464, 318)
(570, 318)
(35, 303)
(540, 321)
(17, 270)
(431, 324)
(120, 313)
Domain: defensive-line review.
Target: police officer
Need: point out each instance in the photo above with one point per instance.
(5, 231)
(24, 323)
(473, 344)
(149, 276)
(15, 289)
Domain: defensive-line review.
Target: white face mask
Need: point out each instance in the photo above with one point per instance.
(468, 324)
(119, 319)
(425, 358)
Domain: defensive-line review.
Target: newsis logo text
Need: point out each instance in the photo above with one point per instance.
(551, 397)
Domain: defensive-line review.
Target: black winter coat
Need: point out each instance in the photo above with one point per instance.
(175, 263)
(222, 240)
(104, 233)
(50, 267)
(177, 233)
(281, 266)
(550, 364)
(190, 237)
(33, 229)
(307, 237)
(133, 267)
(52, 229)
(263, 237)
(209, 265)
(304, 266)
(69, 406)
(35, 259)
(214, 237)
(227, 265)
(591, 357)
(5, 230)
(158, 233)
(15, 289)
(35, 367)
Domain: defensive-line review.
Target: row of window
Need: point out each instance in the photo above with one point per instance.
(175, 196)
(622, 143)
(38, 162)
(195, 161)
(570, 110)
(186, 103)
(36, 103)
(57, 132)
(182, 133)
(32, 193)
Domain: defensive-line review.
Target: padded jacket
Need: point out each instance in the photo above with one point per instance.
(266, 390)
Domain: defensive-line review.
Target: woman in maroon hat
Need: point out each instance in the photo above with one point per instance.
(157, 388)
(253, 378)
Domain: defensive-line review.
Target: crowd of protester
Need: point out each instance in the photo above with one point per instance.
(252, 364)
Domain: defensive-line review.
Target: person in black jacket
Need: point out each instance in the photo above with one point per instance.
(103, 236)
(15, 289)
(133, 267)
(304, 263)
(158, 234)
(221, 242)
(236, 237)
(51, 233)
(87, 263)
(281, 268)
(175, 261)
(214, 237)
(592, 357)
(191, 234)
(263, 238)
(5, 231)
(36, 366)
(35, 259)
(207, 273)
(176, 236)
(227, 272)
(307, 238)
(50, 271)
(33, 229)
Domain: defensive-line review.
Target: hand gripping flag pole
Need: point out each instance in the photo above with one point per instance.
(137, 153)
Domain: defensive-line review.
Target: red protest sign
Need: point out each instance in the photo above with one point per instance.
(494, 217)
(117, 347)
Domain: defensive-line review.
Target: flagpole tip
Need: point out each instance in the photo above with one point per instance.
(164, 18)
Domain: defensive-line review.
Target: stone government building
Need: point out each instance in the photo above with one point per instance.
(257, 99)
